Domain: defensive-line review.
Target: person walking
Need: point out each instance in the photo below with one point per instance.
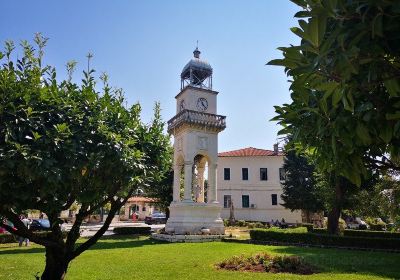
(26, 223)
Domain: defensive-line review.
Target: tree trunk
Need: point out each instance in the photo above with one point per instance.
(56, 264)
(334, 214)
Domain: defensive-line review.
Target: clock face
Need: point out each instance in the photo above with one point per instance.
(202, 104)
(182, 105)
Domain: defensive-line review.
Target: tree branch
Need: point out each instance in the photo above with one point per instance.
(115, 205)
(23, 231)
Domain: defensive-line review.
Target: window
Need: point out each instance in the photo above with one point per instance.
(144, 208)
(245, 201)
(227, 174)
(263, 174)
(274, 198)
(245, 174)
(227, 201)
(282, 174)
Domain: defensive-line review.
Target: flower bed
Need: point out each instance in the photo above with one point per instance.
(262, 262)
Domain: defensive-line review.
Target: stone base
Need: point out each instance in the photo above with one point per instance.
(190, 218)
(186, 238)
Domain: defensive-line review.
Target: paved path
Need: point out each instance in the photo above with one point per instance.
(90, 229)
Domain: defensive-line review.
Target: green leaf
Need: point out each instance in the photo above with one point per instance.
(346, 104)
(302, 14)
(301, 3)
(377, 26)
(336, 97)
(394, 116)
(299, 32)
(393, 87)
(324, 105)
(386, 133)
(313, 32)
(363, 134)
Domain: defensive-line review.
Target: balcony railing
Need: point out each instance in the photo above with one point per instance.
(191, 117)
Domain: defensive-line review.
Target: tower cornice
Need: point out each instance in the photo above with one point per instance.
(195, 88)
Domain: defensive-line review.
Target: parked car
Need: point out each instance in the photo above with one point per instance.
(40, 225)
(356, 223)
(155, 218)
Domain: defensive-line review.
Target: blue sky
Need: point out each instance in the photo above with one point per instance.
(143, 46)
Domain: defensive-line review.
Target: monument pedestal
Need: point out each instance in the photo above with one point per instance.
(191, 218)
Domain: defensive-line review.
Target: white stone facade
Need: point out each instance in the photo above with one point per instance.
(260, 192)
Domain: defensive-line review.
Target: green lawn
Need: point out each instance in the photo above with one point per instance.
(129, 258)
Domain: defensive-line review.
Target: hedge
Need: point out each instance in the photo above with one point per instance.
(362, 233)
(132, 230)
(10, 238)
(371, 233)
(324, 239)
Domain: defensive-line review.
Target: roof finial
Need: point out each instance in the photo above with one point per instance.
(196, 52)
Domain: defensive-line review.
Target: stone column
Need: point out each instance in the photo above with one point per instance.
(187, 197)
(200, 174)
(177, 183)
(212, 183)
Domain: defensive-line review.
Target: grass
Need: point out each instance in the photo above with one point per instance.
(129, 258)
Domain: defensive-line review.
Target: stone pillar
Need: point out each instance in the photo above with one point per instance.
(187, 197)
(200, 174)
(177, 183)
(212, 183)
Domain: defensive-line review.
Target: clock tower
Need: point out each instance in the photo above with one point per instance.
(195, 127)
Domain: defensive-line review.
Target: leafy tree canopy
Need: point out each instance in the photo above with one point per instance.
(62, 143)
(345, 85)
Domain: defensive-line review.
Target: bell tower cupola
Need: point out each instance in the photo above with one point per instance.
(197, 72)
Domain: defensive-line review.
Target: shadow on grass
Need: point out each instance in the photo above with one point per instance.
(106, 242)
(348, 261)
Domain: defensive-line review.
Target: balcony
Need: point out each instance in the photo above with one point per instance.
(197, 119)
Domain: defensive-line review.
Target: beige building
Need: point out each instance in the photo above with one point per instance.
(251, 178)
(142, 206)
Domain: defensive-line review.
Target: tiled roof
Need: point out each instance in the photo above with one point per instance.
(140, 199)
(249, 152)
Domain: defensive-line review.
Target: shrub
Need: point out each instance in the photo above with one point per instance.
(372, 234)
(309, 227)
(324, 239)
(259, 225)
(132, 230)
(342, 225)
(241, 223)
(263, 262)
(7, 238)
(10, 238)
(362, 233)
(376, 224)
(320, 230)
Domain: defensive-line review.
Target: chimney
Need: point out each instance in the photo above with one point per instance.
(276, 148)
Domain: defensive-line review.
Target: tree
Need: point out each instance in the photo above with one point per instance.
(299, 188)
(162, 193)
(381, 200)
(61, 144)
(345, 88)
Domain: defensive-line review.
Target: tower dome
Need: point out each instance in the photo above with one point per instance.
(197, 72)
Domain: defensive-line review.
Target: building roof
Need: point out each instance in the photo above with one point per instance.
(250, 152)
(141, 199)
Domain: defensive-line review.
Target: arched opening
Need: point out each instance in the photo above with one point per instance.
(200, 178)
(194, 179)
